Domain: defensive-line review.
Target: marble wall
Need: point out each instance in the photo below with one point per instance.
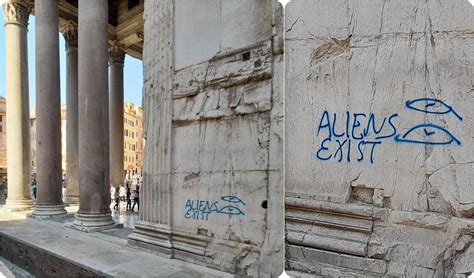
(364, 105)
(379, 135)
(213, 169)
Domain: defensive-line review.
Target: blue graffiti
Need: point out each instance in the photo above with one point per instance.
(200, 209)
(358, 129)
(429, 106)
(232, 199)
(361, 133)
(231, 210)
(430, 130)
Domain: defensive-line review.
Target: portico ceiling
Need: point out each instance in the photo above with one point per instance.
(125, 22)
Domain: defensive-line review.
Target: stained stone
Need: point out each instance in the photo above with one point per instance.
(48, 132)
(16, 15)
(377, 122)
(212, 174)
(94, 181)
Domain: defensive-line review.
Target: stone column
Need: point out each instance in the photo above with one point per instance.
(48, 104)
(154, 227)
(69, 31)
(116, 61)
(94, 180)
(16, 15)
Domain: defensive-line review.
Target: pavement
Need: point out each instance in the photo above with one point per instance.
(105, 251)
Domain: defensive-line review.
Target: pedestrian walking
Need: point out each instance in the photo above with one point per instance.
(136, 199)
(117, 198)
(33, 187)
(129, 196)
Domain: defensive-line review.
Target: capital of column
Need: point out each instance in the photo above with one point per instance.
(16, 12)
(69, 31)
(116, 52)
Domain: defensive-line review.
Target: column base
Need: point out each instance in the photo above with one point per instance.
(48, 211)
(224, 255)
(72, 201)
(91, 223)
(156, 238)
(18, 205)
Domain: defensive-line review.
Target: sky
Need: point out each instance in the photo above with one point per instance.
(133, 70)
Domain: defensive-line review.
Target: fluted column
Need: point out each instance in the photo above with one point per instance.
(48, 114)
(116, 61)
(156, 207)
(16, 16)
(69, 31)
(94, 180)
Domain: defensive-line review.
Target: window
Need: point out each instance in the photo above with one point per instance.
(126, 132)
(1, 130)
(133, 134)
(1, 118)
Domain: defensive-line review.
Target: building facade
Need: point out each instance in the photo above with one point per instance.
(33, 142)
(133, 138)
(3, 140)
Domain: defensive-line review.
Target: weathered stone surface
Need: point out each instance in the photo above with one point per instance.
(207, 28)
(46, 249)
(213, 167)
(378, 97)
(42, 262)
(16, 15)
(199, 23)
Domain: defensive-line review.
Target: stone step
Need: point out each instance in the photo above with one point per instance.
(42, 262)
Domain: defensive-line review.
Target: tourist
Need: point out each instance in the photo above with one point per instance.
(117, 198)
(135, 180)
(136, 198)
(123, 193)
(33, 187)
(129, 196)
(64, 192)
